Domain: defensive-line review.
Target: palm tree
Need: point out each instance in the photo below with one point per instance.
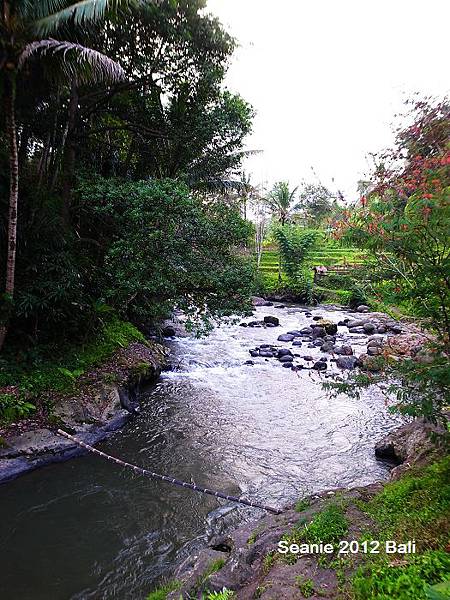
(23, 27)
(281, 204)
(281, 201)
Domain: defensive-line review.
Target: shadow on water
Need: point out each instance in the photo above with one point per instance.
(86, 529)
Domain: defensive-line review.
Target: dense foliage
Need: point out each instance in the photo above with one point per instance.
(107, 102)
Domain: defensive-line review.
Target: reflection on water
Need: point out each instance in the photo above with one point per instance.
(88, 530)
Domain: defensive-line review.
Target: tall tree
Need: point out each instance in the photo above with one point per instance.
(23, 25)
(281, 203)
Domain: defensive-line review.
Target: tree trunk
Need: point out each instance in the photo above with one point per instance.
(69, 166)
(10, 96)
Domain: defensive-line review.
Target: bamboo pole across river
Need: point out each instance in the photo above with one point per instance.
(172, 480)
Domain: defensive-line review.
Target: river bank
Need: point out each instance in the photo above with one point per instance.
(101, 401)
(355, 543)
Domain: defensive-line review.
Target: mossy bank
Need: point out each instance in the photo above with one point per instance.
(89, 390)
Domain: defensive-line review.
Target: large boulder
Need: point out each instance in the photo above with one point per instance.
(257, 301)
(344, 350)
(369, 327)
(415, 443)
(318, 332)
(356, 323)
(320, 365)
(363, 308)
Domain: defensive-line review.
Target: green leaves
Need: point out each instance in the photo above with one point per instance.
(55, 13)
(166, 249)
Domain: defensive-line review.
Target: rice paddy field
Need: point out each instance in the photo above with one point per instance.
(328, 255)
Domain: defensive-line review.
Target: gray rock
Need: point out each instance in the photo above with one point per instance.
(346, 362)
(272, 320)
(242, 324)
(375, 342)
(249, 362)
(363, 308)
(344, 350)
(266, 353)
(381, 329)
(317, 343)
(168, 331)
(254, 353)
(327, 347)
(295, 333)
(373, 350)
(356, 330)
(285, 337)
(396, 329)
(286, 358)
(356, 323)
(296, 343)
(306, 331)
(320, 365)
(308, 358)
(284, 352)
(331, 329)
(257, 301)
(318, 332)
(369, 327)
(286, 364)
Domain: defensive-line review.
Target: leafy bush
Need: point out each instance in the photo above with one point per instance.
(165, 248)
(13, 408)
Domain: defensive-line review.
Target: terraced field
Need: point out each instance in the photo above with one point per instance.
(327, 256)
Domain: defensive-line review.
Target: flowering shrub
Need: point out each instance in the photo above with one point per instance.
(403, 219)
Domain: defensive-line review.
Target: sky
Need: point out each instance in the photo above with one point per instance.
(327, 77)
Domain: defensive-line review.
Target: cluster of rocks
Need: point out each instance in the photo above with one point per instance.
(322, 334)
(268, 321)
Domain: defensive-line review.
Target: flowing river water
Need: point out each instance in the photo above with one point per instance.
(86, 529)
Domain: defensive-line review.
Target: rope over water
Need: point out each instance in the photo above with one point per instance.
(172, 480)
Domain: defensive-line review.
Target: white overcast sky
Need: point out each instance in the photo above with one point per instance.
(326, 78)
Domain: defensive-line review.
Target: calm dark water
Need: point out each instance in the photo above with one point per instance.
(87, 530)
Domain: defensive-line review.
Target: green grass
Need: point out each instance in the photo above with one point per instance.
(328, 255)
(302, 505)
(417, 506)
(161, 592)
(305, 585)
(328, 526)
(34, 377)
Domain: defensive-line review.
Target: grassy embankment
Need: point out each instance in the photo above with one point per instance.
(416, 507)
(26, 378)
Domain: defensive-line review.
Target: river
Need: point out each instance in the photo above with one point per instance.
(86, 529)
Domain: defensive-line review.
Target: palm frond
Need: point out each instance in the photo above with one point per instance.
(81, 12)
(75, 61)
(34, 10)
